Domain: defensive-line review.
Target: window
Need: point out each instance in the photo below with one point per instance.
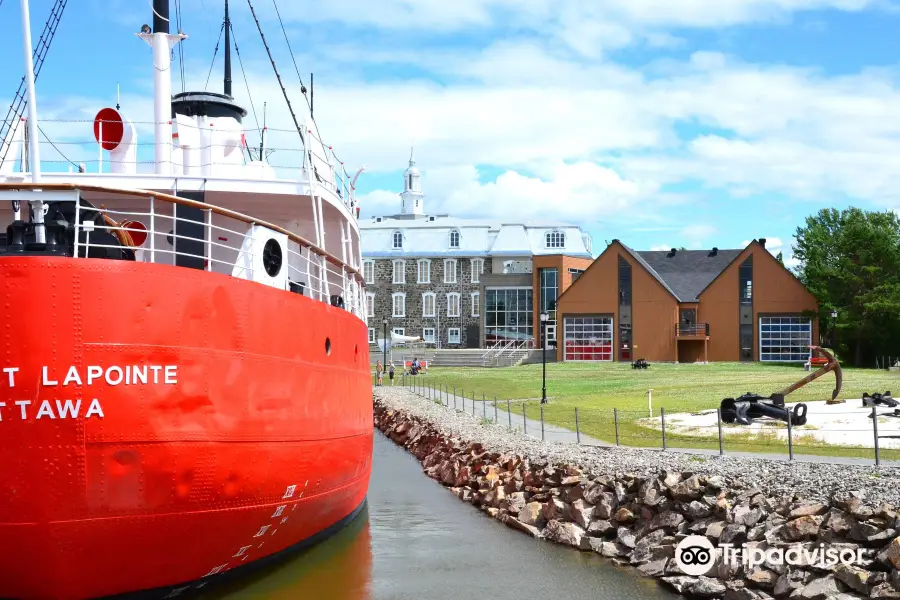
(575, 273)
(428, 335)
(399, 271)
(476, 303)
(508, 314)
(424, 271)
(398, 240)
(453, 335)
(452, 304)
(370, 304)
(369, 271)
(450, 270)
(555, 239)
(409, 187)
(399, 304)
(399, 330)
(454, 239)
(745, 299)
(477, 269)
(624, 309)
(372, 335)
(428, 309)
(549, 279)
(588, 338)
(784, 339)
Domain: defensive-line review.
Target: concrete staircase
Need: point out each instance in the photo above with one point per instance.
(475, 357)
(469, 357)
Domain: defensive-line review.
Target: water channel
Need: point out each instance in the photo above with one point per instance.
(415, 541)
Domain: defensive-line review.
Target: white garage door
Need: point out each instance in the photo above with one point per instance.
(784, 339)
(588, 338)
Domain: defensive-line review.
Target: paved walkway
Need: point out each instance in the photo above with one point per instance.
(555, 433)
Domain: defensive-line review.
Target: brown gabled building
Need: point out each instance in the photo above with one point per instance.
(686, 306)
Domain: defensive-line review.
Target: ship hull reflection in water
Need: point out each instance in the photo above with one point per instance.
(414, 540)
(339, 568)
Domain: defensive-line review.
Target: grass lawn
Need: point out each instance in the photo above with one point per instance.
(596, 389)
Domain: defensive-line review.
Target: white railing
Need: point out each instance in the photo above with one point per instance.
(491, 349)
(224, 241)
(72, 146)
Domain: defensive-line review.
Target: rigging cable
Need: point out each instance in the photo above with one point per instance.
(246, 82)
(57, 149)
(215, 52)
(277, 75)
(17, 107)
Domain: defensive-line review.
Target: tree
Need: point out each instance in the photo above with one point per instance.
(850, 260)
(780, 257)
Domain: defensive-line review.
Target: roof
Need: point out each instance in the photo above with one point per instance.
(685, 273)
(429, 236)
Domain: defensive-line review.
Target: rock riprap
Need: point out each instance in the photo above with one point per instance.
(814, 531)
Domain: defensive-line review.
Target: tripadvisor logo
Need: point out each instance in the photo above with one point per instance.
(695, 555)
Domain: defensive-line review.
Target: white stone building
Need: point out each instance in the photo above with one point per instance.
(458, 283)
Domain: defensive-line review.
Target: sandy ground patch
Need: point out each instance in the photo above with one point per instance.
(846, 424)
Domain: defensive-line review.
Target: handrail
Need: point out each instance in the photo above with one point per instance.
(76, 187)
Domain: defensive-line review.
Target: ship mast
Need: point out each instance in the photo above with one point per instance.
(227, 52)
(162, 43)
(37, 206)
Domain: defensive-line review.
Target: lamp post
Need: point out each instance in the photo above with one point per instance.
(834, 316)
(384, 321)
(544, 318)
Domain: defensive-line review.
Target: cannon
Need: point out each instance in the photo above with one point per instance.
(749, 406)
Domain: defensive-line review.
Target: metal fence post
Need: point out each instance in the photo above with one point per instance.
(662, 414)
(875, 431)
(577, 429)
(719, 419)
(542, 422)
(524, 420)
(509, 413)
(496, 414)
(790, 437)
(616, 419)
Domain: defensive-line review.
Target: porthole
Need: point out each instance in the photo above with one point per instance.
(328, 346)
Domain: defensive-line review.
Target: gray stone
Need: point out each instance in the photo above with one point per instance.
(516, 524)
(625, 537)
(853, 577)
(601, 527)
(655, 568)
(608, 549)
(820, 588)
(733, 534)
(568, 534)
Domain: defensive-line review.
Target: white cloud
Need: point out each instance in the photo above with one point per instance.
(580, 193)
(571, 132)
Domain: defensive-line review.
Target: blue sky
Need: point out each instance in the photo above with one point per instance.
(692, 123)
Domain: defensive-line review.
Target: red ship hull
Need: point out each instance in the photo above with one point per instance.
(162, 425)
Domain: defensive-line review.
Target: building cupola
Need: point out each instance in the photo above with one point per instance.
(411, 199)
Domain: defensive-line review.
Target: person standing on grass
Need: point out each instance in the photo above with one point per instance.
(391, 373)
(379, 373)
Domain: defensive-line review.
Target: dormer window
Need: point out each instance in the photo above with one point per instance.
(398, 240)
(555, 239)
(454, 239)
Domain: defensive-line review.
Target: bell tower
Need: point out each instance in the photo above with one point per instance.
(411, 198)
